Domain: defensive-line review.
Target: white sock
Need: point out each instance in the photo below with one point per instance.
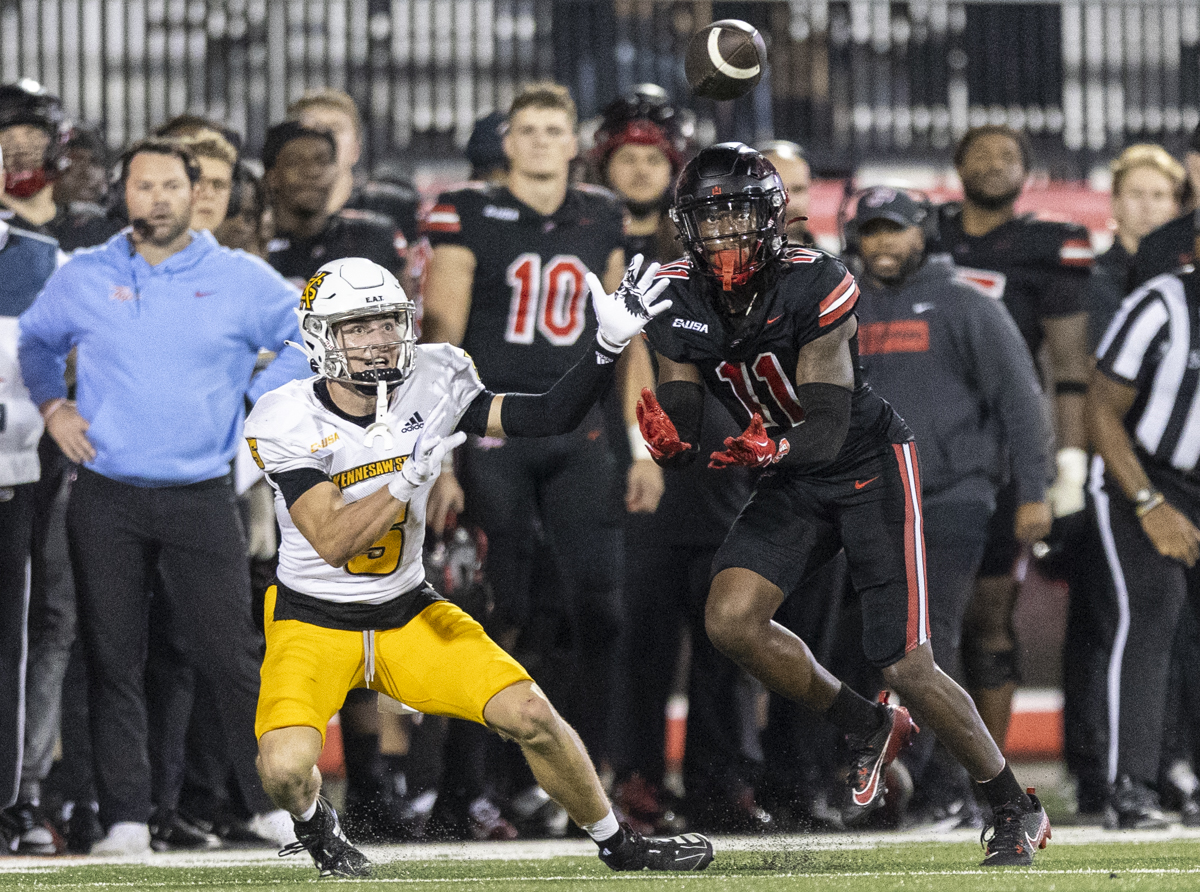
(308, 815)
(606, 828)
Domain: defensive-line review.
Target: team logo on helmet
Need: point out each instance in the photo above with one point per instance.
(310, 290)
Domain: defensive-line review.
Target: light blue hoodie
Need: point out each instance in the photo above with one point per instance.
(165, 353)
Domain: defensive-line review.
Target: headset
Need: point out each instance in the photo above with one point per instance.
(848, 228)
(159, 145)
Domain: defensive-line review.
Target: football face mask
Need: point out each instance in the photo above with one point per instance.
(729, 235)
(374, 347)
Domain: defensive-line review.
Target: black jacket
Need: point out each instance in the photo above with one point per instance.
(953, 364)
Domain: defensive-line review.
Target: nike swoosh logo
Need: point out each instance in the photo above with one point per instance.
(868, 793)
(859, 484)
(922, 308)
(776, 319)
(205, 293)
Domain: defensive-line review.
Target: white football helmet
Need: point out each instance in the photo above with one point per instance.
(355, 288)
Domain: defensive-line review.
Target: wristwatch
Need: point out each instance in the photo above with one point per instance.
(1146, 500)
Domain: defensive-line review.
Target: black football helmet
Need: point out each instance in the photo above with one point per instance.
(28, 102)
(729, 209)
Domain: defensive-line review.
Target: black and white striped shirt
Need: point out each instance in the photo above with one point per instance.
(1153, 344)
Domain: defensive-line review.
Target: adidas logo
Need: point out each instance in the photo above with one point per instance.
(602, 359)
(415, 423)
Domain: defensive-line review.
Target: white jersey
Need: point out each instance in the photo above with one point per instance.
(290, 429)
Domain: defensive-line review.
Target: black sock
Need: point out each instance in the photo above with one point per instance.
(1003, 789)
(853, 714)
(614, 841)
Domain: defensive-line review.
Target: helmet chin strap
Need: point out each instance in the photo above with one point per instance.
(378, 428)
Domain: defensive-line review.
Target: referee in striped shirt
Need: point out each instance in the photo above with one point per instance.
(1144, 411)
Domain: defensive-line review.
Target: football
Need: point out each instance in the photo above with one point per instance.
(725, 60)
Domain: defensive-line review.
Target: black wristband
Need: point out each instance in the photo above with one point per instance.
(1065, 387)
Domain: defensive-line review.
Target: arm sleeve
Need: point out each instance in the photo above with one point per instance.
(46, 337)
(1004, 373)
(683, 401)
(475, 419)
(563, 406)
(819, 437)
(278, 324)
(293, 484)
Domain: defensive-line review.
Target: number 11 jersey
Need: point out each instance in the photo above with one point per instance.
(749, 363)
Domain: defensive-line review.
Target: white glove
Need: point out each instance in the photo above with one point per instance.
(1065, 495)
(425, 463)
(625, 312)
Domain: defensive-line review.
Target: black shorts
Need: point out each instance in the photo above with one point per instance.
(794, 523)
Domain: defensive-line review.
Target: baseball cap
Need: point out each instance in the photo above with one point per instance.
(882, 203)
(279, 135)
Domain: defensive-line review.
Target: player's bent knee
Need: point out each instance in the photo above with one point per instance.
(286, 760)
(522, 713)
(730, 628)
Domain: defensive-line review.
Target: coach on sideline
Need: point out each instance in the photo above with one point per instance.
(1145, 423)
(168, 326)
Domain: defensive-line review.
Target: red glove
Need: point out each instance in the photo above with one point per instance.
(657, 430)
(752, 449)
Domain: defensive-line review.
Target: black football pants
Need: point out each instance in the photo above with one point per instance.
(119, 536)
(16, 533)
(1150, 593)
(568, 492)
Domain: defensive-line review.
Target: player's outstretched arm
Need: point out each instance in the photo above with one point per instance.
(621, 316)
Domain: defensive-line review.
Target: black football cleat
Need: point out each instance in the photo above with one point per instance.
(690, 851)
(323, 839)
(871, 757)
(1016, 834)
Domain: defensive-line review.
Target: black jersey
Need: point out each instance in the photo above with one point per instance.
(1166, 249)
(398, 201)
(750, 364)
(531, 315)
(1039, 268)
(348, 233)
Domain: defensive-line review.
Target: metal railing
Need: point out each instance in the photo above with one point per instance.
(851, 79)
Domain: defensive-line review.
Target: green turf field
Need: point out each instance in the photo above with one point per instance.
(1080, 860)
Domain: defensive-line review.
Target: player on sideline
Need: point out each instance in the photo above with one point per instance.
(770, 330)
(351, 454)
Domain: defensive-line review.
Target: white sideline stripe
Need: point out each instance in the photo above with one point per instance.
(723, 878)
(536, 850)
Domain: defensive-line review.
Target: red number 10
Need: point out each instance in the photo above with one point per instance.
(548, 299)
